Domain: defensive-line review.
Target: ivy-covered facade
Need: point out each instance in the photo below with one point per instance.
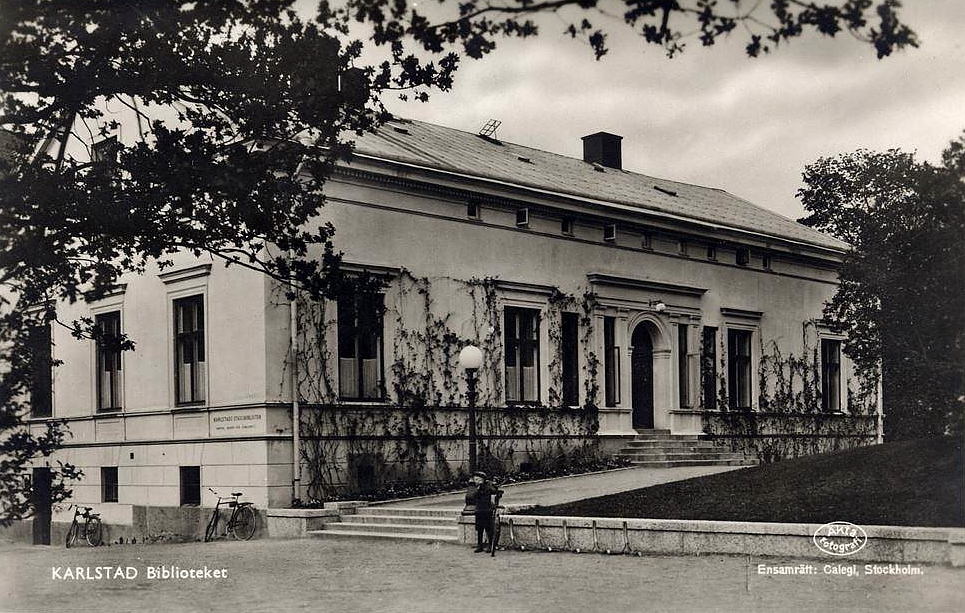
(594, 322)
(603, 301)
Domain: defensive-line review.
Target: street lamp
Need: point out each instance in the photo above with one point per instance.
(470, 359)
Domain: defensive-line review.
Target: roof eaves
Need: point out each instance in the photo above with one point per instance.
(635, 210)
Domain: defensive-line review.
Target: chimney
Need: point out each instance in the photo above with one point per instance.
(604, 149)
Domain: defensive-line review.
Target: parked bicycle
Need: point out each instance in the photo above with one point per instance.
(92, 529)
(241, 522)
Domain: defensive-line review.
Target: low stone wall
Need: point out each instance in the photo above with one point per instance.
(144, 524)
(891, 544)
(295, 523)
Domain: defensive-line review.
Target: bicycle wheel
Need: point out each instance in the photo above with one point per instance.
(72, 534)
(212, 527)
(243, 527)
(94, 531)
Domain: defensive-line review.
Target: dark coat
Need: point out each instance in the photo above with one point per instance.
(479, 499)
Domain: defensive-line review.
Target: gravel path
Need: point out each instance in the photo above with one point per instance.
(369, 575)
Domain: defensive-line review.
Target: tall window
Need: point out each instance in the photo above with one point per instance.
(522, 354)
(830, 374)
(611, 363)
(190, 485)
(41, 358)
(569, 339)
(683, 372)
(708, 367)
(108, 362)
(739, 369)
(190, 371)
(360, 347)
(108, 484)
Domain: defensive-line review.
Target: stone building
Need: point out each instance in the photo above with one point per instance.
(604, 301)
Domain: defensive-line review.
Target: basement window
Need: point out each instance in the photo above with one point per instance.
(190, 485)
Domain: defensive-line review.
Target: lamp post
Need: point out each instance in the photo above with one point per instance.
(470, 359)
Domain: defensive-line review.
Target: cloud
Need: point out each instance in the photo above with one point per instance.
(713, 116)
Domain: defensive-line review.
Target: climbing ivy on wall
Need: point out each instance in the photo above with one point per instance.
(789, 420)
(414, 436)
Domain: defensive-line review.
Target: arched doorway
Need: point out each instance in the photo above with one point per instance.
(641, 376)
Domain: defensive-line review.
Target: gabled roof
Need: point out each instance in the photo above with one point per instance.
(451, 150)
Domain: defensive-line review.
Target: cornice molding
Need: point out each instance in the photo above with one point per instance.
(184, 274)
(598, 278)
(740, 313)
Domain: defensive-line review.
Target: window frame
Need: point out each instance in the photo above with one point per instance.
(184, 471)
(831, 401)
(473, 205)
(516, 346)
(708, 367)
(357, 340)
(199, 340)
(683, 365)
(570, 359)
(42, 380)
(106, 489)
(611, 363)
(118, 372)
(734, 389)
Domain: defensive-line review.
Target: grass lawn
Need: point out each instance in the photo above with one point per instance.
(907, 483)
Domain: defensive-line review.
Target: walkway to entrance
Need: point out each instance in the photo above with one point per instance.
(568, 489)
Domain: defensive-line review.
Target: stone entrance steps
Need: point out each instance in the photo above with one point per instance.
(660, 449)
(413, 524)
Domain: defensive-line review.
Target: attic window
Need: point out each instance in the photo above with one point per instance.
(400, 130)
(472, 210)
(743, 256)
(522, 218)
(711, 252)
(566, 226)
(665, 191)
(610, 233)
(524, 159)
(646, 241)
(683, 247)
(766, 262)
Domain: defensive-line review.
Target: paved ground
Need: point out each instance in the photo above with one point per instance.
(568, 489)
(375, 576)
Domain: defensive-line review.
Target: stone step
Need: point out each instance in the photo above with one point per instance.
(409, 511)
(353, 526)
(682, 456)
(673, 443)
(409, 520)
(652, 431)
(667, 437)
(675, 463)
(382, 535)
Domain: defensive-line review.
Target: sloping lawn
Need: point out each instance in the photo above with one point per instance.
(907, 483)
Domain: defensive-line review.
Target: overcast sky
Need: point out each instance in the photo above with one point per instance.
(712, 116)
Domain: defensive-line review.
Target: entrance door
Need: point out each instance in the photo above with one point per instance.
(641, 365)
(40, 498)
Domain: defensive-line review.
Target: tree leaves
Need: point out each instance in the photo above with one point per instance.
(901, 297)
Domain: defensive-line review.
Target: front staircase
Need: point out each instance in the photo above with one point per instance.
(384, 522)
(660, 449)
